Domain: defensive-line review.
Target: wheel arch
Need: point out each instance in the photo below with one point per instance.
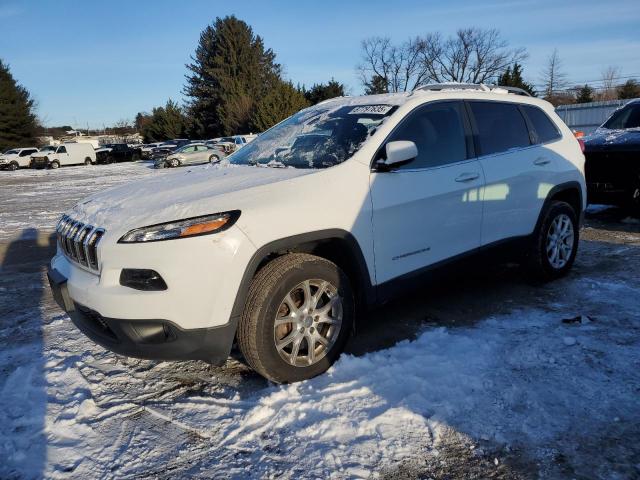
(336, 245)
(569, 192)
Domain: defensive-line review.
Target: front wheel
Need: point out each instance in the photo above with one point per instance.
(299, 313)
(13, 166)
(55, 164)
(174, 162)
(555, 243)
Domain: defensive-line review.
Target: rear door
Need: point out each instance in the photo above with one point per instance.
(24, 159)
(427, 210)
(515, 170)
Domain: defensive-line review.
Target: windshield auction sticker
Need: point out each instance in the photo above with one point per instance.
(371, 109)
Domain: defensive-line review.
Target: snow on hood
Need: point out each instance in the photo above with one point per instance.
(174, 196)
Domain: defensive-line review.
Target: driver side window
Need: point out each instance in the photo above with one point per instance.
(438, 130)
(62, 150)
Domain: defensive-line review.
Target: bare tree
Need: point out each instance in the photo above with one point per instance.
(472, 55)
(123, 124)
(553, 78)
(399, 66)
(609, 76)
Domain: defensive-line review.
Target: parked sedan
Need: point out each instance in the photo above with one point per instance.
(612, 154)
(191, 154)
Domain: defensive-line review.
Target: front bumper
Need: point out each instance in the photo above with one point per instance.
(203, 275)
(155, 339)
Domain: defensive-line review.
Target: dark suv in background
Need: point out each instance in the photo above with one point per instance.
(612, 155)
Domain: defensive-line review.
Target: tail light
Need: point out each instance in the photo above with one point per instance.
(578, 133)
(581, 143)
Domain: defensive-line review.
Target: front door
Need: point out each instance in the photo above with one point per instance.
(428, 210)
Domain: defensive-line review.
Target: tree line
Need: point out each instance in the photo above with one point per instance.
(234, 83)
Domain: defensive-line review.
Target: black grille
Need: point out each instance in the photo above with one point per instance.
(79, 242)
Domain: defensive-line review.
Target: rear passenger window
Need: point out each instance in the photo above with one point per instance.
(438, 131)
(501, 127)
(544, 129)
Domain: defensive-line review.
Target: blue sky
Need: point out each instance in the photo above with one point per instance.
(99, 62)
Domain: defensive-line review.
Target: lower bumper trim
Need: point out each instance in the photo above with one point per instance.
(154, 339)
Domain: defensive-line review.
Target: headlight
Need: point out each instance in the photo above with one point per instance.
(190, 227)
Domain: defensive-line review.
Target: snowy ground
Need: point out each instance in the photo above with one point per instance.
(482, 376)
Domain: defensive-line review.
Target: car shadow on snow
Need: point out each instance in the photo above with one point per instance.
(23, 385)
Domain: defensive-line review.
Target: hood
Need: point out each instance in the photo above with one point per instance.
(176, 195)
(11, 156)
(613, 140)
(103, 149)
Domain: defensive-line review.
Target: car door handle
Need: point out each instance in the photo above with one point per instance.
(541, 161)
(467, 177)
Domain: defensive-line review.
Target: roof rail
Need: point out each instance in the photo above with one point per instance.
(514, 90)
(470, 86)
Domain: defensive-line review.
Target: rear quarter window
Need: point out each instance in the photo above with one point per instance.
(501, 127)
(544, 130)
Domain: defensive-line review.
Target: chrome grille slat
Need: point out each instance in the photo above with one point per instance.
(79, 242)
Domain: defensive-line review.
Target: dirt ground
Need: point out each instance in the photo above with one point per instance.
(610, 245)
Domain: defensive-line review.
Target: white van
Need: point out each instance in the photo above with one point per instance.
(66, 154)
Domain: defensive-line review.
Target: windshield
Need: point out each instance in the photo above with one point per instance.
(317, 137)
(48, 149)
(12, 152)
(626, 117)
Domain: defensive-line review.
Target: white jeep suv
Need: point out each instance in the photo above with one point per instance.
(339, 207)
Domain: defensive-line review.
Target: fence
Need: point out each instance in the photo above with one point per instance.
(586, 117)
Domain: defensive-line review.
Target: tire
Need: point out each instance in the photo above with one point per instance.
(272, 290)
(174, 163)
(13, 166)
(135, 157)
(55, 164)
(87, 161)
(633, 203)
(555, 243)
(214, 159)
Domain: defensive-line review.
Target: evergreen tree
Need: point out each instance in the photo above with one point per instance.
(279, 103)
(377, 84)
(230, 72)
(18, 125)
(630, 89)
(165, 123)
(585, 94)
(512, 77)
(320, 92)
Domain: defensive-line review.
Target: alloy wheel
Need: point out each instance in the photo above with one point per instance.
(560, 238)
(308, 322)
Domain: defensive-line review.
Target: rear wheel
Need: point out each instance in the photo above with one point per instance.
(555, 243)
(297, 319)
(634, 198)
(87, 161)
(214, 159)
